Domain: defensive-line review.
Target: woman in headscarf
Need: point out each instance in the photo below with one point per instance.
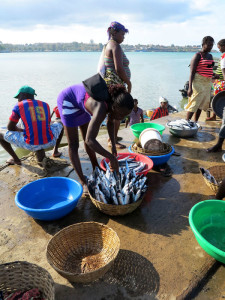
(200, 81)
(116, 65)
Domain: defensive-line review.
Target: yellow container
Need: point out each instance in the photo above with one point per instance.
(149, 113)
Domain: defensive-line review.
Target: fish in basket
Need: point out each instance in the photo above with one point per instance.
(123, 188)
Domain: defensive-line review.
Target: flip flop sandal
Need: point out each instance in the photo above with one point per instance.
(11, 162)
(176, 153)
(57, 155)
(119, 138)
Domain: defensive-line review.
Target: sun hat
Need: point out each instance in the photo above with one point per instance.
(25, 89)
(162, 99)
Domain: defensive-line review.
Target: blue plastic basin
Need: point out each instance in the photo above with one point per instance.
(158, 160)
(49, 198)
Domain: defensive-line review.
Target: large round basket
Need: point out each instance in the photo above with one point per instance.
(23, 276)
(83, 252)
(219, 173)
(115, 210)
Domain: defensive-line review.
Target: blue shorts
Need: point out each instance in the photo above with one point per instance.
(17, 138)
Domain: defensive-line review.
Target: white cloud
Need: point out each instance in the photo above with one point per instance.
(149, 22)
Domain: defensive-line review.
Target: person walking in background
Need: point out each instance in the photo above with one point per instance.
(219, 87)
(136, 116)
(76, 108)
(37, 134)
(162, 110)
(200, 80)
(117, 69)
(219, 83)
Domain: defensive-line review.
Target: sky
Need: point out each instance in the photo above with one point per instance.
(163, 22)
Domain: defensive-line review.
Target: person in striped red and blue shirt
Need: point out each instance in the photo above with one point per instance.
(37, 134)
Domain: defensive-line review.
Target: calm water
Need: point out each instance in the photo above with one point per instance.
(153, 75)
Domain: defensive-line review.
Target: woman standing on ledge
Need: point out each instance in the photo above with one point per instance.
(200, 81)
(117, 65)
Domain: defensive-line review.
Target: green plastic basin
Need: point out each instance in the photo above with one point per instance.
(139, 127)
(207, 221)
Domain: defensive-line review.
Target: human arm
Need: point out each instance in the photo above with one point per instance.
(111, 133)
(99, 113)
(52, 114)
(12, 126)
(117, 54)
(155, 114)
(127, 121)
(141, 117)
(194, 63)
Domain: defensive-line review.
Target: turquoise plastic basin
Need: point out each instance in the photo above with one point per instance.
(207, 221)
(139, 127)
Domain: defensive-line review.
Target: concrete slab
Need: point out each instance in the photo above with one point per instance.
(159, 256)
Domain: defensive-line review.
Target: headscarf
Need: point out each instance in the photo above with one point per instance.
(117, 27)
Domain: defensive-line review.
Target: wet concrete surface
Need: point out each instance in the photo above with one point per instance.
(159, 256)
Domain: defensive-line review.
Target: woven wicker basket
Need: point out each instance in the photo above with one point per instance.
(219, 173)
(138, 149)
(83, 252)
(115, 210)
(23, 276)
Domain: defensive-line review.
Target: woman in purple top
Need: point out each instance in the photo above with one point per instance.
(78, 109)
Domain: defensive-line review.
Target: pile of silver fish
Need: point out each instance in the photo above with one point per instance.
(208, 175)
(126, 187)
(132, 163)
(182, 124)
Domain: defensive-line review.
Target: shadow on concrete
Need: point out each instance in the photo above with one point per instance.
(131, 275)
(85, 211)
(195, 153)
(202, 136)
(164, 209)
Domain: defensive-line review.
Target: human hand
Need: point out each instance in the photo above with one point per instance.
(129, 86)
(114, 151)
(189, 92)
(114, 165)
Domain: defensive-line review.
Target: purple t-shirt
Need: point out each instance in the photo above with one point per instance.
(135, 116)
(71, 107)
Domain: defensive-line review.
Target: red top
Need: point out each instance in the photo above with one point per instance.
(159, 113)
(56, 111)
(205, 67)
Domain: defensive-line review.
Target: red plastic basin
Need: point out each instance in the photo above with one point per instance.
(138, 157)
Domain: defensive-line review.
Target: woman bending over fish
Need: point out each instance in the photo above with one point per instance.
(78, 109)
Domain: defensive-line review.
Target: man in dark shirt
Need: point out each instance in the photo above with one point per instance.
(161, 111)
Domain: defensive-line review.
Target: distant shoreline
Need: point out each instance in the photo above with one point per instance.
(91, 47)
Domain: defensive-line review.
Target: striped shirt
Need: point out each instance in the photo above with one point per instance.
(205, 67)
(35, 116)
(109, 64)
(159, 113)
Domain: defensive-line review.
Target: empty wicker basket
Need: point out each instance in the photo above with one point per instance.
(115, 210)
(83, 252)
(23, 276)
(219, 173)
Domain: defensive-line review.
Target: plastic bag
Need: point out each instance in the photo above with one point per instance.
(101, 69)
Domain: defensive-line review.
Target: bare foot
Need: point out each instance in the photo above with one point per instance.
(85, 190)
(213, 118)
(118, 146)
(12, 161)
(57, 154)
(215, 148)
